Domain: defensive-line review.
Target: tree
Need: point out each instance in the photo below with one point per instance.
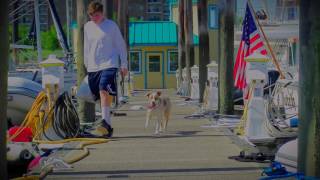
(203, 45)
(226, 48)
(123, 19)
(189, 47)
(4, 55)
(86, 110)
(309, 83)
(181, 41)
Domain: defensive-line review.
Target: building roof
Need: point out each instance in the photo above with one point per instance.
(163, 33)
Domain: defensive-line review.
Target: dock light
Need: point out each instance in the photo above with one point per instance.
(257, 57)
(52, 72)
(257, 71)
(52, 78)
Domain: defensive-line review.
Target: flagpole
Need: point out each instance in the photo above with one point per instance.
(274, 60)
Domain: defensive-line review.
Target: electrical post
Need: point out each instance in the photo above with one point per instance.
(4, 55)
(189, 46)
(86, 110)
(226, 48)
(203, 46)
(309, 86)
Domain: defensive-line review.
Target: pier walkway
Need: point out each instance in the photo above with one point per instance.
(185, 151)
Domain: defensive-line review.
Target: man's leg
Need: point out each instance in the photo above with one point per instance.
(107, 89)
(106, 100)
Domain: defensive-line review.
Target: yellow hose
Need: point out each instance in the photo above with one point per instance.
(88, 140)
(34, 120)
(83, 154)
(240, 130)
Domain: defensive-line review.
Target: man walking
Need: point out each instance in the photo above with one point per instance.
(103, 45)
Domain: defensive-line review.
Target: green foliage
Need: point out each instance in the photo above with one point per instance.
(23, 34)
(134, 19)
(49, 42)
(49, 39)
(28, 55)
(114, 16)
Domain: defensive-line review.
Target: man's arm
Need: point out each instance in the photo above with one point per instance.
(85, 48)
(122, 49)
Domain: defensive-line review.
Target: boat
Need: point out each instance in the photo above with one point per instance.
(21, 94)
(287, 155)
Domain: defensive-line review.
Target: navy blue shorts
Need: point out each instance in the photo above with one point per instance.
(103, 80)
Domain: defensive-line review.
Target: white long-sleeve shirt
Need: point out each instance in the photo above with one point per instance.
(103, 44)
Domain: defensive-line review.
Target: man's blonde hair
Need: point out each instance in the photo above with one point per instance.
(94, 7)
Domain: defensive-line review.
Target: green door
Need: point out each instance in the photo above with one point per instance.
(154, 71)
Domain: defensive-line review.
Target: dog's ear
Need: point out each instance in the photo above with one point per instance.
(148, 94)
(159, 93)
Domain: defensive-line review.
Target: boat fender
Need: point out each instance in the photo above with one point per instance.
(275, 168)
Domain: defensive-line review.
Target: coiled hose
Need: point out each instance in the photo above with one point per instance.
(63, 118)
(66, 123)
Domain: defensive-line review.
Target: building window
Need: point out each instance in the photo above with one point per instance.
(172, 61)
(154, 10)
(135, 61)
(154, 18)
(154, 1)
(213, 17)
(154, 63)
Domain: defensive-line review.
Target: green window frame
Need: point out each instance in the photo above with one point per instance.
(172, 61)
(135, 61)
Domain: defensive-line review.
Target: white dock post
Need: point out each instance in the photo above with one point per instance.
(212, 101)
(195, 93)
(178, 81)
(256, 76)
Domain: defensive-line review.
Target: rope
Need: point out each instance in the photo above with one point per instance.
(26, 13)
(32, 118)
(276, 115)
(240, 130)
(16, 11)
(13, 2)
(62, 117)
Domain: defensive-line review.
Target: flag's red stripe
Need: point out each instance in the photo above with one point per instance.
(264, 52)
(254, 38)
(257, 46)
(239, 66)
(241, 72)
(237, 63)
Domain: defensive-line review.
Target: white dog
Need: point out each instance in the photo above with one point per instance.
(158, 106)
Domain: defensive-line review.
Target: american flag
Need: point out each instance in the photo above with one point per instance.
(251, 42)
